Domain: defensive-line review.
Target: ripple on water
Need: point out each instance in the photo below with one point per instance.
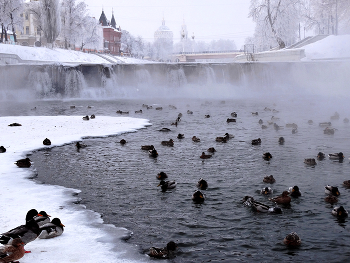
(119, 181)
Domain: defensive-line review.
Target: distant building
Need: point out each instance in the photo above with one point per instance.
(29, 34)
(163, 33)
(111, 34)
(163, 43)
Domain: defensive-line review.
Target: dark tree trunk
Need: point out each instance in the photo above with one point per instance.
(2, 33)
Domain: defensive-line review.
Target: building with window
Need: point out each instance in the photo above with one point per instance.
(111, 35)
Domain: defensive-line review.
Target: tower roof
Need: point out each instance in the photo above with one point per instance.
(113, 23)
(103, 19)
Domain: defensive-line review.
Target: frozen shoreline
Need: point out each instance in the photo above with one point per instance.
(86, 238)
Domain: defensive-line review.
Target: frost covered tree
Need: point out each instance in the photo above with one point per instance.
(73, 19)
(50, 19)
(10, 16)
(328, 16)
(276, 20)
(89, 35)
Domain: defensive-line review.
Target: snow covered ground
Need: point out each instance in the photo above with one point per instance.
(85, 238)
(331, 47)
(63, 55)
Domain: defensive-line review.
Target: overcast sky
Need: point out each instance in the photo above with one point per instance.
(207, 19)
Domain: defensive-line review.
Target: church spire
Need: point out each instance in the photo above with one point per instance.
(113, 23)
(103, 19)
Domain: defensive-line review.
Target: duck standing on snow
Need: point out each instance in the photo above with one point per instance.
(2, 149)
(52, 229)
(292, 240)
(339, 212)
(282, 199)
(332, 190)
(163, 253)
(47, 141)
(294, 191)
(24, 163)
(167, 185)
(26, 233)
(10, 253)
(42, 218)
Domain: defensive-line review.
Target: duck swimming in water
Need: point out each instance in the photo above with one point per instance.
(122, 141)
(52, 229)
(180, 136)
(162, 176)
(256, 141)
(294, 191)
(292, 240)
(167, 185)
(346, 183)
(163, 253)
(320, 156)
(10, 253)
(310, 161)
(205, 156)
(195, 139)
(339, 212)
(331, 199)
(269, 179)
(267, 156)
(198, 197)
(80, 145)
(260, 207)
(332, 190)
(168, 143)
(211, 150)
(202, 184)
(281, 140)
(336, 156)
(282, 199)
(147, 147)
(153, 153)
(266, 191)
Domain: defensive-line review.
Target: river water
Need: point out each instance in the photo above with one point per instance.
(119, 181)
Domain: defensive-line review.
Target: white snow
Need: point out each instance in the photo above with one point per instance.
(85, 238)
(58, 55)
(331, 47)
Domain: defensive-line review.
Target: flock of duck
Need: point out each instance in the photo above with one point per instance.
(37, 225)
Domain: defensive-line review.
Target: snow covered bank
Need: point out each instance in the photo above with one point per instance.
(85, 238)
(331, 47)
(65, 56)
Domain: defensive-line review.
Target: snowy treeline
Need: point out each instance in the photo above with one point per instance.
(280, 23)
(10, 16)
(162, 49)
(66, 21)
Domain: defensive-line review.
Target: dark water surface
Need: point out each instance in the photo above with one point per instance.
(119, 181)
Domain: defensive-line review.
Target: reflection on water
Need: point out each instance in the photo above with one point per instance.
(119, 181)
